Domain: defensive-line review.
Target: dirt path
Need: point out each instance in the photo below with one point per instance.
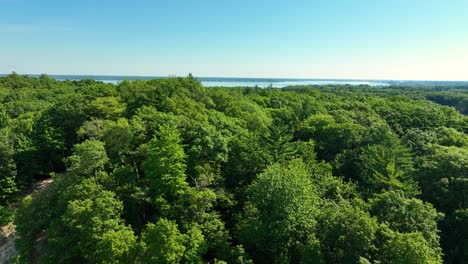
(7, 243)
(8, 232)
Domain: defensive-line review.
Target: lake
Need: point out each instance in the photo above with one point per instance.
(260, 82)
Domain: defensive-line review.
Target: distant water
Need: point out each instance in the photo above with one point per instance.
(231, 82)
(260, 82)
(279, 83)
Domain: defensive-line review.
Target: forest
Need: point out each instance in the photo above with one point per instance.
(170, 171)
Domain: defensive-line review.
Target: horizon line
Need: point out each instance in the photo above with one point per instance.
(236, 77)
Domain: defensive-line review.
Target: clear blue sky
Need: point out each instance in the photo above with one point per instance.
(393, 39)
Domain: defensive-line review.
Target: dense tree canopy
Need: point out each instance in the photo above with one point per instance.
(168, 171)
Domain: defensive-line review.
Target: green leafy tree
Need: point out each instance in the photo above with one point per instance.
(346, 233)
(116, 246)
(7, 171)
(89, 158)
(386, 167)
(279, 214)
(409, 248)
(107, 108)
(247, 158)
(92, 129)
(99, 235)
(165, 168)
(454, 236)
(31, 219)
(119, 138)
(279, 142)
(443, 177)
(164, 243)
(407, 215)
(55, 131)
(255, 118)
(205, 146)
(6, 215)
(332, 136)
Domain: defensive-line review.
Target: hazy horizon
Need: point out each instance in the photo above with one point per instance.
(121, 76)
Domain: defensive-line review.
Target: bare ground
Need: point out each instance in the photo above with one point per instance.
(7, 243)
(8, 232)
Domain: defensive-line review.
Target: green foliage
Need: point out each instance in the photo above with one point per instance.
(246, 160)
(6, 215)
(7, 171)
(168, 171)
(331, 135)
(407, 215)
(251, 113)
(279, 143)
(451, 137)
(98, 234)
(31, 219)
(409, 248)
(346, 233)
(165, 168)
(55, 132)
(116, 246)
(443, 177)
(107, 108)
(385, 167)
(280, 213)
(88, 159)
(454, 237)
(205, 145)
(163, 243)
(444, 172)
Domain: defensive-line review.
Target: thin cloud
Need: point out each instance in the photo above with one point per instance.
(18, 28)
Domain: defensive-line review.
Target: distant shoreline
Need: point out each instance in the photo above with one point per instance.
(260, 82)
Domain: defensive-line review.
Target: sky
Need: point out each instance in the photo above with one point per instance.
(339, 39)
